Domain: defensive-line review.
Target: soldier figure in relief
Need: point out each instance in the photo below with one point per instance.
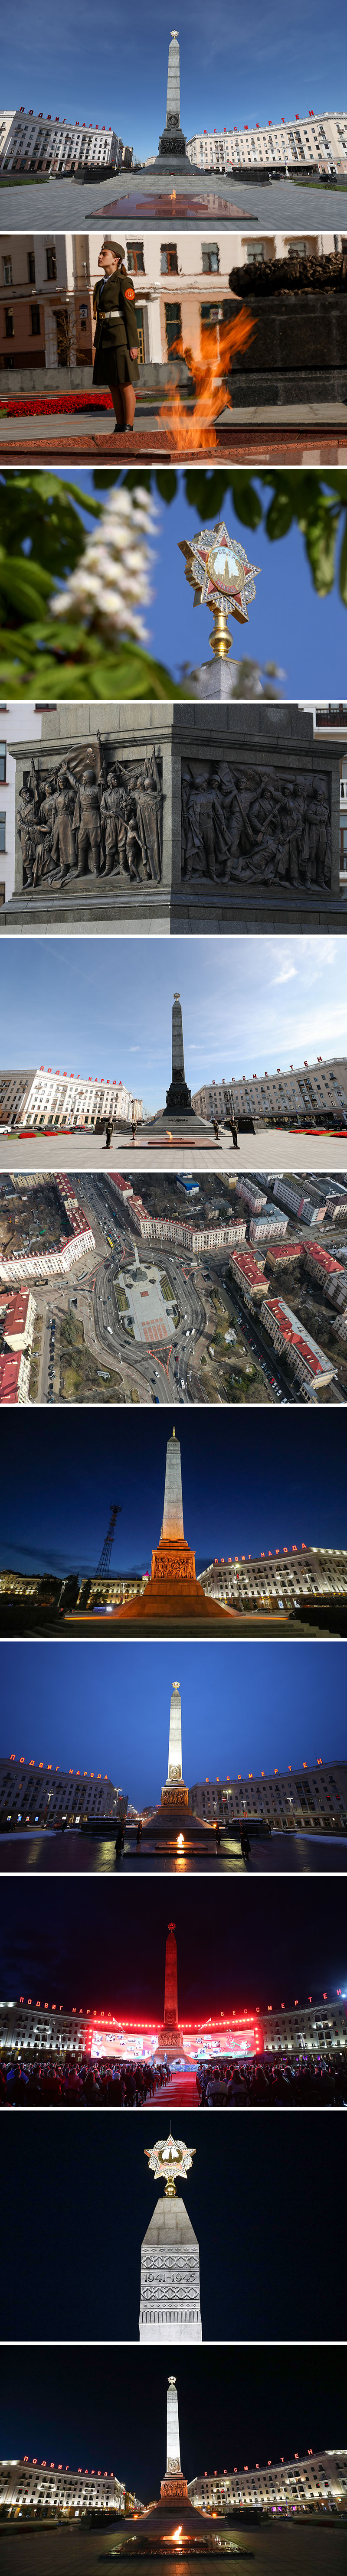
(86, 823)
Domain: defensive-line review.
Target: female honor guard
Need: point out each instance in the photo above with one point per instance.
(116, 345)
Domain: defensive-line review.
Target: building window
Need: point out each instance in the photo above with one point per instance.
(3, 763)
(173, 325)
(9, 322)
(31, 268)
(51, 260)
(7, 268)
(139, 318)
(168, 259)
(135, 259)
(3, 833)
(35, 321)
(210, 259)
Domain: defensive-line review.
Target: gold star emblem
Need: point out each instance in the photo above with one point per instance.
(218, 571)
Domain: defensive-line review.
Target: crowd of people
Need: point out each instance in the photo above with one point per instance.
(255, 2084)
(74, 2084)
(303, 2083)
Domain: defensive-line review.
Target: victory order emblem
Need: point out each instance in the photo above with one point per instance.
(218, 571)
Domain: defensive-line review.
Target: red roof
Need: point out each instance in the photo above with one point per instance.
(297, 1340)
(325, 1259)
(9, 1374)
(251, 1269)
(16, 1310)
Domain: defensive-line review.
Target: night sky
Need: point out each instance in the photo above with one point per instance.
(101, 1944)
(246, 1485)
(108, 2410)
(266, 2206)
(265, 1705)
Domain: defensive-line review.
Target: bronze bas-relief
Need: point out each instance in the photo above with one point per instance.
(257, 824)
(89, 818)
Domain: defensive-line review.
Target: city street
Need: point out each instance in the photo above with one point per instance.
(170, 1326)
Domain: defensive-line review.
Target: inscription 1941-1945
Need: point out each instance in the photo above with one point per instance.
(258, 825)
(86, 818)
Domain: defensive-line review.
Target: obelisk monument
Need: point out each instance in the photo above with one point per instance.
(170, 2041)
(174, 1793)
(174, 2489)
(170, 1997)
(178, 1098)
(173, 80)
(172, 142)
(170, 2269)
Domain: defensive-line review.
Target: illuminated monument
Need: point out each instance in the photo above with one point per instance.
(174, 1822)
(173, 1600)
(174, 2525)
(170, 2271)
(170, 2036)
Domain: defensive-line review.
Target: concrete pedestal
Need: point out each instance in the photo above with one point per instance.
(265, 867)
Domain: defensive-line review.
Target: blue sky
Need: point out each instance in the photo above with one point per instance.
(288, 624)
(104, 1007)
(253, 1709)
(265, 64)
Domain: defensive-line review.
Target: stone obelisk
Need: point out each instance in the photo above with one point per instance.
(172, 142)
(171, 1995)
(173, 80)
(174, 1793)
(170, 2039)
(178, 1098)
(170, 2269)
(173, 1598)
(174, 2489)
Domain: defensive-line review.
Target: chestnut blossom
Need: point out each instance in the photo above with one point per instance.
(111, 583)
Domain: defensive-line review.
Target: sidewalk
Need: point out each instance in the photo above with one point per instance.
(296, 434)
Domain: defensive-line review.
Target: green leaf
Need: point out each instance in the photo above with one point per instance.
(280, 516)
(320, 548)
(343, 565)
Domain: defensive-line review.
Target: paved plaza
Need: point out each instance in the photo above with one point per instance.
(301, 1855)
(281, 1149)
(284, 205)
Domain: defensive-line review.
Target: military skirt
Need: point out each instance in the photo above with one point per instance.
(113, 364)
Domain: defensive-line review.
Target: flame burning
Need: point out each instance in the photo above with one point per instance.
(209, 369)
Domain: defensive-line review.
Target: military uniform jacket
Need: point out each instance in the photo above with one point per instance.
(114, 305)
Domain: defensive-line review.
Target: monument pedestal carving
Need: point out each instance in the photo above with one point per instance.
(211, 815)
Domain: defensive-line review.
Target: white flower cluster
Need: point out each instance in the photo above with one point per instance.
(111, 583)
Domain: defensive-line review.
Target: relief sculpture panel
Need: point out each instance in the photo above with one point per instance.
(88, 816)
(261, 825)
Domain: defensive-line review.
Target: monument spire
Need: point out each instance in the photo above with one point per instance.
(173, 81)
(174, 1771)
(172, 1523)
(172, 142)
(171, 1996)
(178, 1097)
(173, 2454)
